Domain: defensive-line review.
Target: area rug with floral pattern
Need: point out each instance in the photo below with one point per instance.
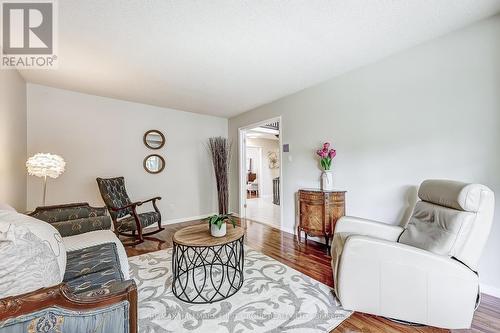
(273, 298)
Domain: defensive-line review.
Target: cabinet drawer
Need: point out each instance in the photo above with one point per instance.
(310, 196)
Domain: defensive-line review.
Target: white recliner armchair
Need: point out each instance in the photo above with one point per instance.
(424, 273)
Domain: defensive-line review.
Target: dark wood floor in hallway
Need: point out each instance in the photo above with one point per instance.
(312, 260)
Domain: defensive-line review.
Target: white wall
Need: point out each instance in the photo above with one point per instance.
(12, 139)
(102, 137)
(267, 174)
(432, 111)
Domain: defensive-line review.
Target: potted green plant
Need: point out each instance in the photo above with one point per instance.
(218, 223)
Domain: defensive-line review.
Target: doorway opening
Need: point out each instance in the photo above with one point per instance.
(261, 173)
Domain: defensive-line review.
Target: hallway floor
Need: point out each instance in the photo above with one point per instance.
(263, 210)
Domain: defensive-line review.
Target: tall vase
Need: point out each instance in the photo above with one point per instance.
(327, 180)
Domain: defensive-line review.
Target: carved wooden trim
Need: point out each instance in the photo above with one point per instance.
(61, 296)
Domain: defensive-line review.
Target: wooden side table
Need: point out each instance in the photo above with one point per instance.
(319, 211)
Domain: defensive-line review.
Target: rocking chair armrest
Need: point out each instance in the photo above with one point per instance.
(132, 206)
(149, 200)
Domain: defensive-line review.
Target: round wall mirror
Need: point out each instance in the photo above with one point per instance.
(154, 163)
(154, 139)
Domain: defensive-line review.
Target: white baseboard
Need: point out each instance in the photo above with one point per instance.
(268, 224)
(182, 219)
(189, 218)
(285, 229)
(490, 290)
(186, 219)
(282, 228)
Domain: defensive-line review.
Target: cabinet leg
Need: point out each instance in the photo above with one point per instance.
(327, 239)
(298, 234)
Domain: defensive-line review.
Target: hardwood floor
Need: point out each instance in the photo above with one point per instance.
(312, 260)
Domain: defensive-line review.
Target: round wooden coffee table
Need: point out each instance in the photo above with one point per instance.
(207, 269)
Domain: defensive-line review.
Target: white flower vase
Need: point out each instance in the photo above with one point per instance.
(216, 232)
(327, 180)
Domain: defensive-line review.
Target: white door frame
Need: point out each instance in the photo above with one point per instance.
(242, 160)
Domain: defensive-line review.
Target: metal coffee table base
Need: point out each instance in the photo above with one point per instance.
(207, 274)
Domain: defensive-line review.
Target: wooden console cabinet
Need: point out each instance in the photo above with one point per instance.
(319, 212)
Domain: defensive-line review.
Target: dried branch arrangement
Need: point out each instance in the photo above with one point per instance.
(220, 152)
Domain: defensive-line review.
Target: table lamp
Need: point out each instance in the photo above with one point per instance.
(45, 165)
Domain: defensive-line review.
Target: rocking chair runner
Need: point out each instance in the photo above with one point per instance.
(127, 222)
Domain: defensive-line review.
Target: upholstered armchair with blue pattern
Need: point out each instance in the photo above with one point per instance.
(127, 222)
(55, 284)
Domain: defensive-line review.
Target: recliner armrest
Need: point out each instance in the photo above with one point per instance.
(358, 226)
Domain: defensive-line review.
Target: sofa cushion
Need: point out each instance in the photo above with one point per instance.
(32, 254)
(81, 241)
(128, 223)
(93, 267)
(83, 225)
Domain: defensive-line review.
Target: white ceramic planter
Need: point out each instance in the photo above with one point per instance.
(327, 180)
(216, 232)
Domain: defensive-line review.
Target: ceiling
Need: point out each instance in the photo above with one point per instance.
(226, 57)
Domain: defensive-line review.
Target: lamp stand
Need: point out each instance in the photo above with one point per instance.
(44, 189)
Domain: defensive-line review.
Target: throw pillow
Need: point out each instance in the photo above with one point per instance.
(33, 254)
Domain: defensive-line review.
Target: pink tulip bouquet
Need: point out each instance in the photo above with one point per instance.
(326, 154)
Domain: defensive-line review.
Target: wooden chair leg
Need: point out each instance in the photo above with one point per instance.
(159, 225)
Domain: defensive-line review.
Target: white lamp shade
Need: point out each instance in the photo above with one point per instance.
(43, 164)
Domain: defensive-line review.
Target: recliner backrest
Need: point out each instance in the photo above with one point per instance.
(452, 219)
